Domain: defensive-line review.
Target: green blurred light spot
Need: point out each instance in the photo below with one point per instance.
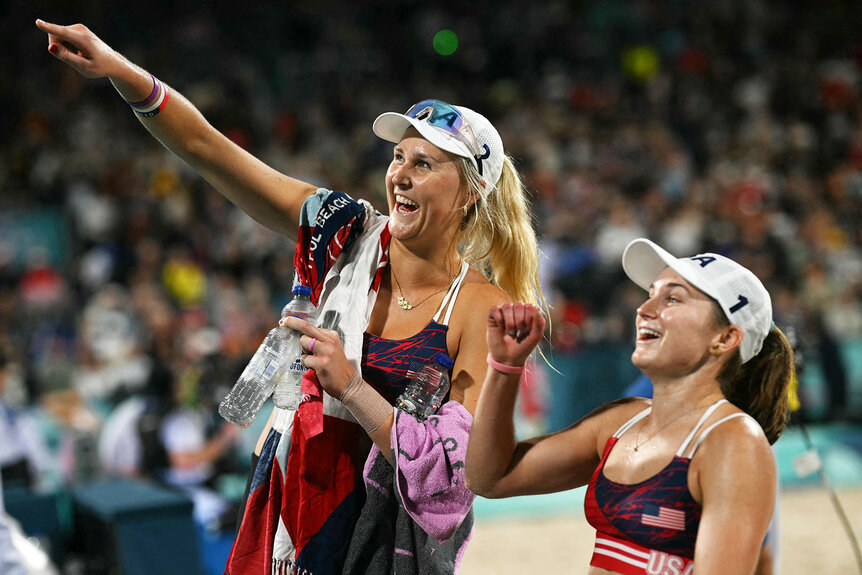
(445, 42)
(641, 62)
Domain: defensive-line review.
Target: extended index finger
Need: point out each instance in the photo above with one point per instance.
(61, 40)
(70, 37)
(61, 32)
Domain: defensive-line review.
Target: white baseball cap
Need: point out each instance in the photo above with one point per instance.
(456, 129)
(742, 297)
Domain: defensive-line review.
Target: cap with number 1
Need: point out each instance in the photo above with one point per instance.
(739, 293)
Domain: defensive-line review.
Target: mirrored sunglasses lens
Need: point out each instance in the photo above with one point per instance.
(446, 117)
(438, 113)
(415, 109)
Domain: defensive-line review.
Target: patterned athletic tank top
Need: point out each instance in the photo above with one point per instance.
(388, 364)
(647, 528)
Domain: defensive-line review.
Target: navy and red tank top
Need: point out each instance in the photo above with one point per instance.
(388, 364)
(647, 528)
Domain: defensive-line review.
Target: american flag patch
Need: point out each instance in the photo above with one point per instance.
(664, 517)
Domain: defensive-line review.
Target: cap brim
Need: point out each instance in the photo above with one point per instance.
(644, 260)
(391, 126)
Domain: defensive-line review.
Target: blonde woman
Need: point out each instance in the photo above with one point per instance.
(392, 292)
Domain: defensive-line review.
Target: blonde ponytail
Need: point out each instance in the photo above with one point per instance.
(497, 235)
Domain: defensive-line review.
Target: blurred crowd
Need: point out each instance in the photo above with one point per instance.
(130, 288)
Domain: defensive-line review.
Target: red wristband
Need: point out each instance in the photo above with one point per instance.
(503, 368)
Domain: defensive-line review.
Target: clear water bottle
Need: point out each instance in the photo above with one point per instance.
(288, 391)
(260, 376)
(427, 388)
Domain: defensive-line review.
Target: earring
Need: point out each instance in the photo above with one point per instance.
(716, 350)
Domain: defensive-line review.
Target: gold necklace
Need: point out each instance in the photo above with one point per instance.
(660, 429)
(406, 305)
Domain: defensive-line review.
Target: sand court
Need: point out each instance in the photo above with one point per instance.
(811, 537)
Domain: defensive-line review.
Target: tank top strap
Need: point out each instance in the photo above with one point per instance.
(631, 422)
(451, 295)
(711, 427)
(709, 411)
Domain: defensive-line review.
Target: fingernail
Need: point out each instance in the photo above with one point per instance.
(39, 21)
(52, 48)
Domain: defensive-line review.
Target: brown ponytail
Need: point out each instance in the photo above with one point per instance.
(759, 387)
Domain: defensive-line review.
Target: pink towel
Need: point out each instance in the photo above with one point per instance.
(429, 468)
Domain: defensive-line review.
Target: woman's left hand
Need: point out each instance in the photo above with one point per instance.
(324, 354)
(513, 331)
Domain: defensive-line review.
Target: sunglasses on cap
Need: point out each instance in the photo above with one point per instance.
(448, 118)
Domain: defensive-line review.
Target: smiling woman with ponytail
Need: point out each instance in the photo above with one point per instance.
(332, 490)
(675, 481)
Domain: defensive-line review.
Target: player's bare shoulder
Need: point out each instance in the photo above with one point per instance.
(608, 418)
(476, 297)
(734, 438)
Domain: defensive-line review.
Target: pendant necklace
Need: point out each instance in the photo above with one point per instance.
(406, 305)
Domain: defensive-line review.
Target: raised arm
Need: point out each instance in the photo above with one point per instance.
(268, 196)
(497, 464)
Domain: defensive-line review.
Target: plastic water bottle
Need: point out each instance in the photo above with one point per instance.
(427, 388)
(288, 391)
(260, 376)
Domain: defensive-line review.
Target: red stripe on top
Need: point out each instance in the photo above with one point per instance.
(627, 558)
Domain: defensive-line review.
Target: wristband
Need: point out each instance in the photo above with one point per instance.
(154, 103)
(156, 107)
(367, 406)
(149, 99)
(503, 368)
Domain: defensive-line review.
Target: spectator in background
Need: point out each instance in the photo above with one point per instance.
(193, 447)
(166, 434)
(23, 454)
(130, 442)
(11, 561)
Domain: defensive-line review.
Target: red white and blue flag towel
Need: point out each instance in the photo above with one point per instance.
(307, 488)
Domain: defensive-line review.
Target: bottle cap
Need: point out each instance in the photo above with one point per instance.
(301, 289)
(444, 360)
